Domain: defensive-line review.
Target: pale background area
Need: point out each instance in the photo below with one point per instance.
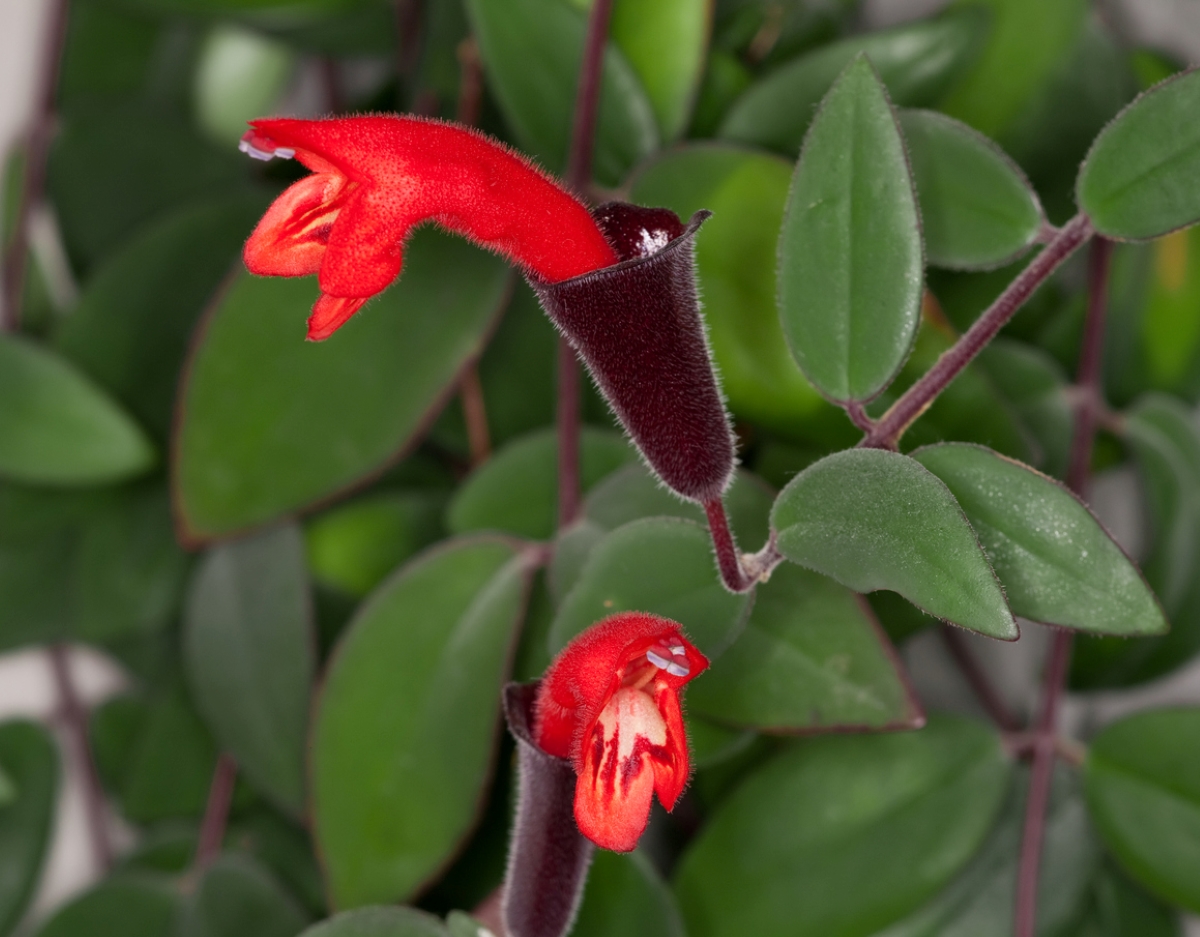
(26, 684)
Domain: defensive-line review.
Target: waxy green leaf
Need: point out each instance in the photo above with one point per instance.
(327, 414)
(791, 852)
(57, 427)
(977, 208)
(126, 905)
(812, 659)
(411, 704)
(29, 758)
(249, 652)
(878, 520)
(850, 248)
(1057, 564)
(1139, 180)
(1143, 787)
(379, 922)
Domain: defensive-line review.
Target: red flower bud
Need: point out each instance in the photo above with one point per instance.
(610, 703)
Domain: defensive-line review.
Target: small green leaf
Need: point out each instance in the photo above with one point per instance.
(841, 835)
(248, 650)
(461, 924)
(516, 491)
(660, 565)
(57, 427)
(850, 248)
(1143, 787)
(1057, 564)
(625, 895)
(918, 62)
(410, 704)
(1139, 180)
(977, 208)
(877, 520)
(811, 659)
(8, 790)
(28, 756)
(325, 415)
(238, 898)
(129, 905)
(379, 922)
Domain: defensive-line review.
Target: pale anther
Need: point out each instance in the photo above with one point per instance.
(660, 662)
(678, 670)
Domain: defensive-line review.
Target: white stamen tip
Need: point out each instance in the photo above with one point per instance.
(677, 670)
(285, 152)
(265, 155)
(661, 663)
(678, 649)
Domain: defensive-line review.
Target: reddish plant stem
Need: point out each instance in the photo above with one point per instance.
(36, 155)
(216, 812)
(728, 559)
(75, 719)
(470, 82)
(991, 701)
(475, 413)
(1046, 744)
(891, 426)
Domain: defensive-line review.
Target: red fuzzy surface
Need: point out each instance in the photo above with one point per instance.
(376, 178)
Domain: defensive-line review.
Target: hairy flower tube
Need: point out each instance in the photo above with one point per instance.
(610, 703)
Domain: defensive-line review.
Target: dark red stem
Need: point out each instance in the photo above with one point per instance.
(75, 719)
(479, 439)
(996, 708)
(729, 561)
(1091, 357)
(216, 812)
(912, 403)
(36, 155)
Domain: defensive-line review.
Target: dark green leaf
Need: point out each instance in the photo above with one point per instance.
(324, 415)
(284, 848)
(710, 744)
(1169, 326)
(516, 491)
(660, 565)
(918, 63)
(238, 898)
(29, 758)
(625, 896)
(461, 924)
(843, 835)
(410, 704)
(850, 248)
(379, 922)
(877, 520)
(8, 790)
(1139, 179)
(977, 208)
(1057, 564)
(812, 658)
(531, 50)
(57, 427)
(248, 649)
(125, 906)
(1121, 909)
(240, 75)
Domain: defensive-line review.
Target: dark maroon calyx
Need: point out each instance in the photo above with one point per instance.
(635, 232)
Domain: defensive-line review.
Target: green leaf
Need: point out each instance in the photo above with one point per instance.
(461, 924)
(531, 50)
(410, 704)
(841, 835)
(516, 491)
(248, 650)
(877, 520)
(8, 790)
(1121, 909)
(660, 565)
(1057, 564)
(285, 849)
(918, 62)
(325, 415)
(977, 208)
(850, 248)
(1138, 181)
(711, 744)
(240, 74)
(28, 756)
(238, 898)
(1170, 329)
(57, 427)
(1143, 787)
(130, 331)
(736, 263)
(626, 896)
(379, 922)
(811, 659)
(124, 906)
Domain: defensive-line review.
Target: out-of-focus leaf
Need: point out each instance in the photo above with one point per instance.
(878, 520)
(29, 758)
(977, 208)
(8, 790)
(285, 849)
(324, 415)
(789, 851)
(240, 76)
(850, 248)
(660, 565)
(811, 659)
(1138, 181)
(626, 896)
(531, 50)
(1170, 327)
(284, 8)
(128, 905)
(918, 63)
(710, 744)
(1119, 908)
(516, 490)
(411, 703)
(108, 51)
(1143, 787)
(57, 427)
(725, 78)
(248, 650)
(379, 922)
(236, 897)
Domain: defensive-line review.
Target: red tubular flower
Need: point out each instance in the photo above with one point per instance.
(610, 702)
(376, 178)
